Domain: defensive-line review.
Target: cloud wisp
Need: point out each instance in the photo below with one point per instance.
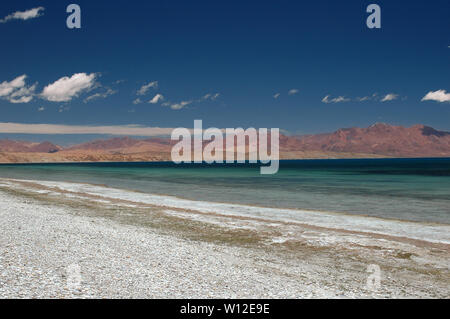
(100, 95)
(209, 96)
(146, 87)
(293, 91)
(338, 99)
(374, 97)
(156, 99)
(178, 106)
(389, 97)
(24, 15)
(55, 129)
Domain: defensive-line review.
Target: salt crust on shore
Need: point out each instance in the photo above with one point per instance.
(436, 233)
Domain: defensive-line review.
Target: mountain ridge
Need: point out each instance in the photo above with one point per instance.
(377, 140)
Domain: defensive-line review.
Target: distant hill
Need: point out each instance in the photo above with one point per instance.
(378, 140)
(11, 146)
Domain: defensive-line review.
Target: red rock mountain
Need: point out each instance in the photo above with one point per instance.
(381, 139)
(378, 140)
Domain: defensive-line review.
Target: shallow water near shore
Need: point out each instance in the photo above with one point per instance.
(404, 189)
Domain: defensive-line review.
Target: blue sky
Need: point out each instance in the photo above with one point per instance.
(224, 61)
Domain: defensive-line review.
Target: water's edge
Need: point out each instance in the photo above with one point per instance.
(431, 232)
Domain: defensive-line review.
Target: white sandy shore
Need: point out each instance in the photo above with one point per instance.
(128, 245)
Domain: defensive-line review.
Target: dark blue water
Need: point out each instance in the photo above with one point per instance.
(408, 189)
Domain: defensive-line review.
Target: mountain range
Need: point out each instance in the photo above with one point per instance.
(378, 140)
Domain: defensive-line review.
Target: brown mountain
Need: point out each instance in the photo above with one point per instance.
(378, 140)
(381, 139)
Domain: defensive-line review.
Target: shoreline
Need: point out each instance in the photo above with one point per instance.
(375, 157)
(334, 213)
(438, 233)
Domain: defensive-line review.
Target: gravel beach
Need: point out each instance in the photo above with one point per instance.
(58, 244)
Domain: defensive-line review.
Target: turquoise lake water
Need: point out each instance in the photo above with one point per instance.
(406, 189)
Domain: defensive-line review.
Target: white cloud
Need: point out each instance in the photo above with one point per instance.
(338, 99)
(22, 95)
(16, 90)
(179, 106)
(144, 89)
(24, 15)
(41, 109)
(373, 97)
(7, 88)
(131, 130)
(137, 101)
(65, 89)
(182, 104)
(99, 95)
(293, 91)
(389, 97)
(438, 96)
(276, 95)
(21, 99)
(156, 99)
